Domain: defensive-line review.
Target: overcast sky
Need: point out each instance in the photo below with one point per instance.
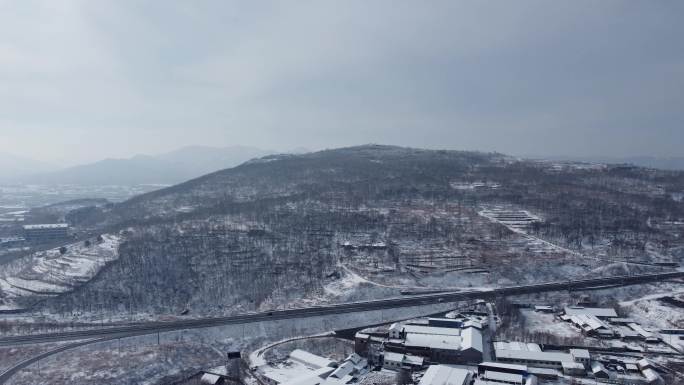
(85, 80)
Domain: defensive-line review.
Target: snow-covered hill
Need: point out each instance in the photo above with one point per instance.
(51, 273)
(370, 221)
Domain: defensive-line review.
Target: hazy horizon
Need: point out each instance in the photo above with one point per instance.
(86, 81)
(54, 166)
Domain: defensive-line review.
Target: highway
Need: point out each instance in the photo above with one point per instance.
(128, 330)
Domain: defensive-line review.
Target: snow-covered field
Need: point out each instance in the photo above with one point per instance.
(651, 312)
(51, 272)
(542, 322)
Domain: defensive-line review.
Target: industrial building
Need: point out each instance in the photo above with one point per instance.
(599, 371)
(11, 241)
(495, 373)
(544, 309)
(506, 368)
(646, 367)
(397, 361)
(488, 373)
(303, 368)
(46, 232)
(530, 354)
(443, 345)
(453, 342)
(590, 325)
(597, 312)
(643, 333)
(353, 366)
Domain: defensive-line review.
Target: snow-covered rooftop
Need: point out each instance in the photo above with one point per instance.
(209, 378)
(595, 311)
(571, 365)
(311, 360)
(527, 355)
(314, 377)
(403, 358)
(46, 226)
(443, 338)
(588, 322)
(643, 332)
(433, 330)
(472, 339)
(343, 370)
(445, 375)
(515, 345)
(580, 354)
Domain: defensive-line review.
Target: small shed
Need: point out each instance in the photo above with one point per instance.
(599, 371)
(652, 377)
(395, 331)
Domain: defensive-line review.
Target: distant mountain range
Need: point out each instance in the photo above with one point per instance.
(12, 166)
(193, 161)
(663, 163)
(169, 168)
(671, 163)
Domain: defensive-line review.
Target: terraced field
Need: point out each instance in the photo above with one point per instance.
(50, 273)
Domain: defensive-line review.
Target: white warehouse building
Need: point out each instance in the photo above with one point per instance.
(573, 362)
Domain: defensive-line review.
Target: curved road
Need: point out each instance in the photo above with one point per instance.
(130, 330)
(30, 361)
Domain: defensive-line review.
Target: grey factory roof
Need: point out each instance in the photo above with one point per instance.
(501, 365)
(503, 377)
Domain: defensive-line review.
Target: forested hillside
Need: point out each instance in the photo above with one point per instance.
(372, 220)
